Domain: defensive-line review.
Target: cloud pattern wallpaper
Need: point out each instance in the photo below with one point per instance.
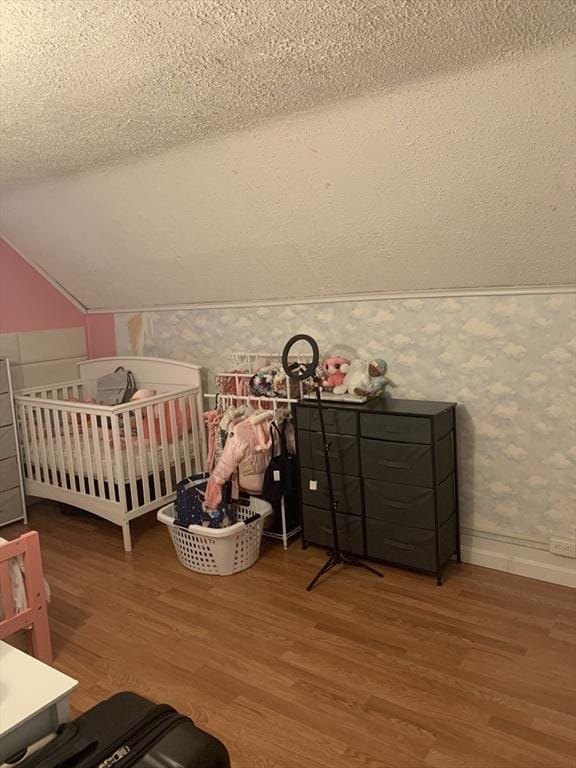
(509, 361)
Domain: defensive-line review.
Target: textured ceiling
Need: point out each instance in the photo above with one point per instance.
(88, 83)
(462, 181)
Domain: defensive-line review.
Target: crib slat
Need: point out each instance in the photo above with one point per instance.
(143, 455)
(175, 440)
(166, 457)
(67, 418)
(77, 458)
(58, 429)
(130, 457)
(109, 471)
(42, 444)
(153, 451)
(188, 423)
(6, 587)
(23, 419)
(97, 457)
(198, 458)
(117, 454)
(165, 447)
(52, 474)
(87, 453)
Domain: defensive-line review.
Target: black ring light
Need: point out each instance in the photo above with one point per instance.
(300, 371)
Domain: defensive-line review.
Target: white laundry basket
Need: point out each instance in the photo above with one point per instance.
(220, 551)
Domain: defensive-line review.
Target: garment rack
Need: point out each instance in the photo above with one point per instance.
(249, 360)
(275, 403)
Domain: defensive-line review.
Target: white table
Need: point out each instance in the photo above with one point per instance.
(33, 700)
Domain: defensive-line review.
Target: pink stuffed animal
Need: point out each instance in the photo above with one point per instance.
(333, 371)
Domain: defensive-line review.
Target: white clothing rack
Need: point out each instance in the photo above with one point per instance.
(230, 399)
(250, 359)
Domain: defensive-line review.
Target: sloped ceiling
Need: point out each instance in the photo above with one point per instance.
(167, 151)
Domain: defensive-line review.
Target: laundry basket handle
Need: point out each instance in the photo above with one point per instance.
(252, 519)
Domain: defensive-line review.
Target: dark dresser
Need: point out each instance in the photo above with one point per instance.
(395, 476)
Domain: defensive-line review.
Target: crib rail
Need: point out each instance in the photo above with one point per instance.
(131, 454)
(62, 390)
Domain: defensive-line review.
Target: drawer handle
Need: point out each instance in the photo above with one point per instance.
(394, 464)
(400, 545)
(397, 504)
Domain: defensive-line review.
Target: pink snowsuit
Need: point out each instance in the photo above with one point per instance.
(248, 450)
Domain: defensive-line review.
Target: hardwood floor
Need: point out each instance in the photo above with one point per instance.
(362, 672)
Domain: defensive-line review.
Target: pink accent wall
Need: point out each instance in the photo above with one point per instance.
(28, 302)
(100, 335)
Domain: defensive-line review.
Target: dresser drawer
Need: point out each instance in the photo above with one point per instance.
(318, 530)
(343, 453)
(336, 421)
(406, 462)
(9, 477)
(5, 410)
(7, 442)
(10, 506)
(408, 504)
(3, 377)
(411, 547)
(347, 492)
(400, 429)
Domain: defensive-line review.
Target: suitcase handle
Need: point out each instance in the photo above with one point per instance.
(67, 749)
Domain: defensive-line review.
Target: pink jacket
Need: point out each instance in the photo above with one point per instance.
(248, 450)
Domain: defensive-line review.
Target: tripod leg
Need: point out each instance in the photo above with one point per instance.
(351, 560)
(328, 565)
(372, 570)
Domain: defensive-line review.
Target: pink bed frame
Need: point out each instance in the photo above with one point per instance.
(35, 616)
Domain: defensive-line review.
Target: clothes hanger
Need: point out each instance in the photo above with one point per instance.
(262, 416)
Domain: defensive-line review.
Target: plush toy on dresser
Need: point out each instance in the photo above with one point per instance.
(378, 380)
(334, 369)
(366, 379)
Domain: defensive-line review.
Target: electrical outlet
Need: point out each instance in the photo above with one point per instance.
(563, 547)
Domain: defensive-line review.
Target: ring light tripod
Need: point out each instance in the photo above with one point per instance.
(299, 371)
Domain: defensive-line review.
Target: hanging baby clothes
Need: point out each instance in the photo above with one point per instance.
(212, 420)
(231, 416)
(247, 450)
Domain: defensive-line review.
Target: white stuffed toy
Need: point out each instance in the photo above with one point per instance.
(356, 378)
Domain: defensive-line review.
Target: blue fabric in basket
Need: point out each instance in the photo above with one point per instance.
(190, 508)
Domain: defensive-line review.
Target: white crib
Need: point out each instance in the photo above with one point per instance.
(117, 462)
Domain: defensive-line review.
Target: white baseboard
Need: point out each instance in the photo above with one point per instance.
(520, 560)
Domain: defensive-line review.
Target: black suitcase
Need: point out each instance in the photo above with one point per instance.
(129, 731)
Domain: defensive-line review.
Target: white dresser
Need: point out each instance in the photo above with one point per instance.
(12, 504)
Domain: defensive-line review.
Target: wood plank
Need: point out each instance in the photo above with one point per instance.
(360, 673)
